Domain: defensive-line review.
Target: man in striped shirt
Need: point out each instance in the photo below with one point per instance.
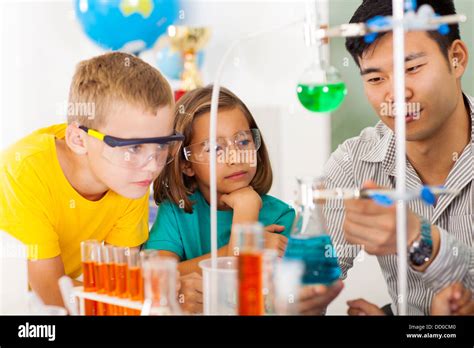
(440, 151)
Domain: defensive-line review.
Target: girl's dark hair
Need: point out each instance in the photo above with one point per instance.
(371, 8)
(172, 183)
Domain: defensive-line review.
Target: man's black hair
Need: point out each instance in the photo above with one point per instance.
(371, 8)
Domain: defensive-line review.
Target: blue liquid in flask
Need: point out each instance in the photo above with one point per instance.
(318, 256)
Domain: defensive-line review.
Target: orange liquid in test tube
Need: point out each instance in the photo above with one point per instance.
(108, 275)
(88, 268)
(135, 286)
(121, 290)
(249, 237)
(110, 285)
(250, 284)
(135, 277)
(121, 279)
(89, 258)
(100, 268)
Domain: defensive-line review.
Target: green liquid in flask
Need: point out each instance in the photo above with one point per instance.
(322, 97)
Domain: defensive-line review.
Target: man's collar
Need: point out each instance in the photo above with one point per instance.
(470, 103)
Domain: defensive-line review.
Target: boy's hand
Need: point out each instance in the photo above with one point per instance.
(190, 293)
(362, 307)
(246, 198)
(453, 300)
(315, 298)
(274, 240)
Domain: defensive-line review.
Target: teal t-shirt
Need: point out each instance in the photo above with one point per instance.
(188, 235)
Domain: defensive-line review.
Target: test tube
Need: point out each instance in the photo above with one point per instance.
(250, 268)
(89, 256)
(121, 270)
(108, 259)
(99, 269)
(146, 257)
(270, 259)
(135, 278)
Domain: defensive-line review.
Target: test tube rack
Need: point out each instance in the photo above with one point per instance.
(80, 296)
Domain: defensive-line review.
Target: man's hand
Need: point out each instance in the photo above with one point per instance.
(362, 307)
(190, 293)
(274, 240)
(315, 298)
(453, 300)
(374, 226)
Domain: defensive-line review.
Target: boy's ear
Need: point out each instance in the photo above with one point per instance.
(187, 169)
(76, 139)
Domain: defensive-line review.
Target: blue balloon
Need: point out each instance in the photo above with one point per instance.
(127, 25)
(170, 62)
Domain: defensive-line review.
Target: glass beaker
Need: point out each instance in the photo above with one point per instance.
(219, 286)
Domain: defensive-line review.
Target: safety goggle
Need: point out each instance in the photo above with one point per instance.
(242, 147)
(137, 152)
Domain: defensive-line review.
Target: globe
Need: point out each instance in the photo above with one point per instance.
(126, 25)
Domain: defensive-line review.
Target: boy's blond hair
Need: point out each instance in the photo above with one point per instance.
(110, 78)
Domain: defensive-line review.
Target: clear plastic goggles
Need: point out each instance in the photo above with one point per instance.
(242, 147)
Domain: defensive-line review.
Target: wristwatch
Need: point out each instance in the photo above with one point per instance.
(421, 249)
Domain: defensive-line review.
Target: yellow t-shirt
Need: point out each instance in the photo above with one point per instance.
(39, 207)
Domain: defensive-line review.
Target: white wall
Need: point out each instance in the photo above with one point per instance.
(42, 42)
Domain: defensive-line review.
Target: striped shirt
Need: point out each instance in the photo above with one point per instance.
(371, 156)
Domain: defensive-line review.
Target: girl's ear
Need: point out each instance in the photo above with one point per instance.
(187, 169)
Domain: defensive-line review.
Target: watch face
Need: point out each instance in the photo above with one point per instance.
(417, 259)
(420, 253)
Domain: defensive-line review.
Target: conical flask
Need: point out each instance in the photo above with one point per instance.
(309, 240)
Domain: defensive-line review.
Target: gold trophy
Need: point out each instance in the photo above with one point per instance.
(188, 41)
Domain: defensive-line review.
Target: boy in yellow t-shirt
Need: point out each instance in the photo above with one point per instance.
(89, 178)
